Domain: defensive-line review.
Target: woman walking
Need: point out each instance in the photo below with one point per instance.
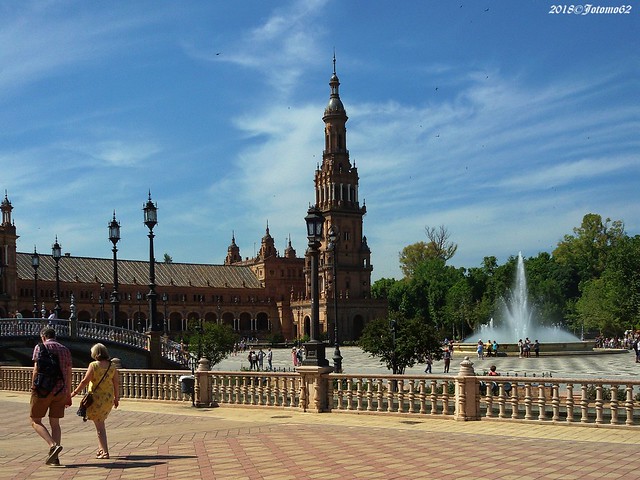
(103, 380)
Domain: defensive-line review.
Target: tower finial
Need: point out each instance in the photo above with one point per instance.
(334, 60)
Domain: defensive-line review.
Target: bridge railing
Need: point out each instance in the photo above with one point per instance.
(119, 335)
(30, 327)
(613, 403)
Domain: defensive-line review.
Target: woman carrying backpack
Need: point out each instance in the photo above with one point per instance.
(103, 380)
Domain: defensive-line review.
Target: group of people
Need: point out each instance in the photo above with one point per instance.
(256, 359)
(297, 355)
(101, 377)
(490, 349)
(525, 347)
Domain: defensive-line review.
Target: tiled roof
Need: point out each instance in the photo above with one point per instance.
(100, 270)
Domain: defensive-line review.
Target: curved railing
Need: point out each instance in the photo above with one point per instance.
(30, 327)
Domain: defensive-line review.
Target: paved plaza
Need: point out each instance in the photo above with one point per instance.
(170, 440)
(619, 363)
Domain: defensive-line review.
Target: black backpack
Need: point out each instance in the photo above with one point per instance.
(48, 372)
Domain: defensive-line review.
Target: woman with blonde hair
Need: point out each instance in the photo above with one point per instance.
(103, 380)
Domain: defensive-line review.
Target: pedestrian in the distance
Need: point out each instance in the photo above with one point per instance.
(429, 362)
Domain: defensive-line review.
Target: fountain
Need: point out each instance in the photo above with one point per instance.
(518, 322)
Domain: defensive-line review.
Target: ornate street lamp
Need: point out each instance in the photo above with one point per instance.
(314, 348)
(114, 236)
(56, 252)
(150, 220)
(333, 244)
(35, 263)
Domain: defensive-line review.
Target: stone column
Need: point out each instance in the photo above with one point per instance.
(314, 384)
(467, 393)
(203, 384)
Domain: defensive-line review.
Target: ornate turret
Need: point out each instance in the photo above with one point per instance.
(6, 208)
(289, 252)
(233, 252)
(268, 247)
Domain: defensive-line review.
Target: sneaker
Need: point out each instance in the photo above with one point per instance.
(54, 463)
(53, 454)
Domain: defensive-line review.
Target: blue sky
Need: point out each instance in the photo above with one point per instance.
(497, 119)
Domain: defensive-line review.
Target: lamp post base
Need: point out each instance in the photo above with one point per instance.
(337, 360)
(315, 354)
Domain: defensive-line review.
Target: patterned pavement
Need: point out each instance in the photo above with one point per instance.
(615, 364)
(168, 440)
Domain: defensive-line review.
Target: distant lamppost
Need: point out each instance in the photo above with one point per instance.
(56, 252)
(200, 334)
(333, 244)
(150, 220)
(139, 298)
(35, 263)
(114, 236)
(314, 348)
(101, 302)
(165, 299)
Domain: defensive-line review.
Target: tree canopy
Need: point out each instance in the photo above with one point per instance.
(590, 281)
(214, 342)
(400, 342)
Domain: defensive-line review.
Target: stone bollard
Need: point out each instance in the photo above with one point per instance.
(467, 393)
(203, 384)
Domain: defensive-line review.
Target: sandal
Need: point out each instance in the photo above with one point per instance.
(99, 453)
(103, 455)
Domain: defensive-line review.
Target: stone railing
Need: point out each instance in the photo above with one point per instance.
(464, 397)
(430, 395)
(74, 329)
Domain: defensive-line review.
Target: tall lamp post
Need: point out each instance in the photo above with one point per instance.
(114, 236)
(333, 243)
(165, 299)
(56, 252)
(150, 220)
(101, 302)
(35, 263)
(314, 348)
(139, 298)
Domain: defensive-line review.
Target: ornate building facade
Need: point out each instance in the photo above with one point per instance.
(257, 297)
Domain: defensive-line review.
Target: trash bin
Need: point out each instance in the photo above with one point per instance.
(187, 384)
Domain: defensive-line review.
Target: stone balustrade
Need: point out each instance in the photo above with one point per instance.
(464, 397)
(74, 329)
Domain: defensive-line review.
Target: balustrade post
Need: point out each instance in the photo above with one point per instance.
(203, 384)
(467, 393)
(315, 384)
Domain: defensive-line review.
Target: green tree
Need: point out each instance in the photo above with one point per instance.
(438, 247)
(400, 342)
(610, 304)
(215, 342)
(380, 288)
(413, 255)
(587, 250)
(548, 287)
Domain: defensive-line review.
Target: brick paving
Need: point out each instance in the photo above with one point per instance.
(169, 440)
